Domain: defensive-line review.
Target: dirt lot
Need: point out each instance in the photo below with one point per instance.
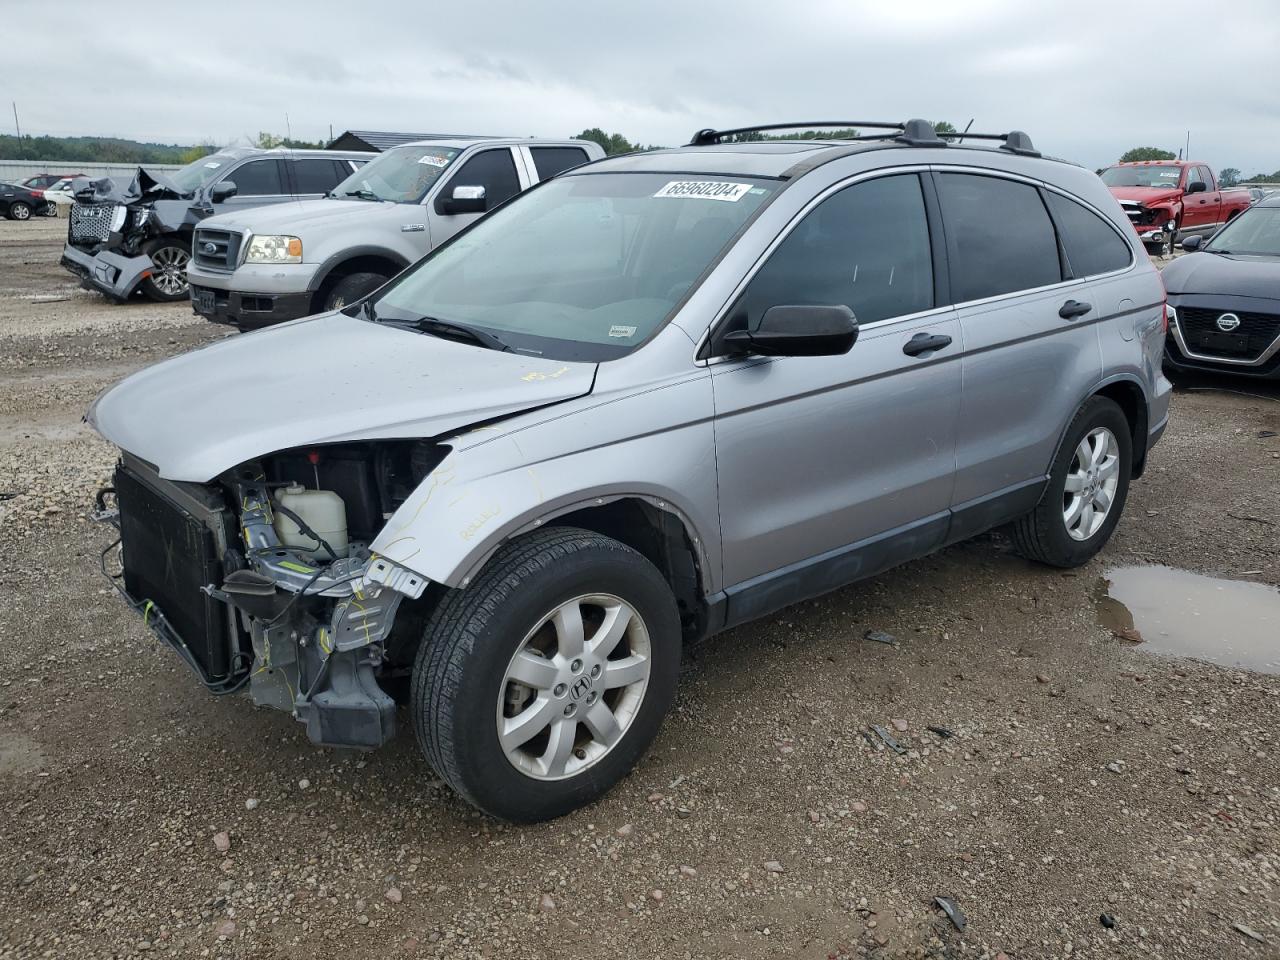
(1085, 776)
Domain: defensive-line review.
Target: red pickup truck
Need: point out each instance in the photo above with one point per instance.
(1170, 199)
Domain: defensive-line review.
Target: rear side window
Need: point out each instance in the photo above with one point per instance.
(318, 176)
(866, 246)
(999, 236)
(1092, 244)
(257, 178)
(549, 161)
(492, 169)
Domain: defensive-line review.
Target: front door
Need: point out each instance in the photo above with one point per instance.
(831, 468)
(494, 170)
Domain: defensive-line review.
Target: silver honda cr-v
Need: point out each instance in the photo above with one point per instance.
(650, 399)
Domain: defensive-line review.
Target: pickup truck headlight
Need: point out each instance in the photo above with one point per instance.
(118, 216)
(274, 249)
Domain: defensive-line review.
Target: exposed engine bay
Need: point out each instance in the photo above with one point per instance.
(263, 578)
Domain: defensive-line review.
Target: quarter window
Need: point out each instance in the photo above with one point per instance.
(999, 236)
(494, 170)
(549, 161)
(866, 246)
(1092, 245)
(257, 178)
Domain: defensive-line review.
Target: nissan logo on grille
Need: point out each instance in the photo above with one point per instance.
(1228, 322)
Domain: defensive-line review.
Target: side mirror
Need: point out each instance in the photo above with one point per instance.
(1196, 186)
(798, 331)
(1192, 243)
(466, 199)
(223, 191)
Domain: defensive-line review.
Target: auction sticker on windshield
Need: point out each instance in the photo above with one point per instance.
(433, 160)
(705, 190)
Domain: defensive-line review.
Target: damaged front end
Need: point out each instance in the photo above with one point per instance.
(255, 588)
(109, 227)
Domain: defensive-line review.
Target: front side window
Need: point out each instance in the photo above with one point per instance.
(866, 247)
(1092, 245)
(999, 236)
(401, 175)
(585, 267)
(258, 178)
(494, 170)
(1254, 233)
(317, 175)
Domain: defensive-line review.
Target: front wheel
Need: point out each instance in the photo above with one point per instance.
(1088, 485)
(19, 211)
(351, 288)
(168, 280)
(539, 687)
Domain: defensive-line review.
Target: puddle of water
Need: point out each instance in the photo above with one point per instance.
(1232, 623)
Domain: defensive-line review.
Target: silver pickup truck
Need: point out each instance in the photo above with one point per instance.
(266, 266)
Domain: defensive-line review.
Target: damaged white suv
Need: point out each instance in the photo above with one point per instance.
(654, 397)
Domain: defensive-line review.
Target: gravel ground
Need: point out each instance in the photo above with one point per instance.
(1084, 776)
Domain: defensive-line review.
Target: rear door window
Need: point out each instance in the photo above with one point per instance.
(1093, 246)
(258, 178)
(866, 247)
(318, 175)
(999, 236)
(552, 160)
(495, 170)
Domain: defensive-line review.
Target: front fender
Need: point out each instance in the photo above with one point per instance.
(656, 445)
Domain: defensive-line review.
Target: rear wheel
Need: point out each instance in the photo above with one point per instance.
(168, 280)
(18, 211)
(352, 288)
(538, 687)
(1087, 489)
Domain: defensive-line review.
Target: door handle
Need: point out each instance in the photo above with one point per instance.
(925, 343)
(1074, 308)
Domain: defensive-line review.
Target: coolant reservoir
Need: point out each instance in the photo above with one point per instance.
(322, 510)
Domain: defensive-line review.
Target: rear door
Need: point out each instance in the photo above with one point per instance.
(1030, 348)
(831, 468)
(493, 168)
(546, 162)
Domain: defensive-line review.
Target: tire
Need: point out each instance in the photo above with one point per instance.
(18, 211)
(168, 281)
(351, 288)
(1043, 534)
(463, 690)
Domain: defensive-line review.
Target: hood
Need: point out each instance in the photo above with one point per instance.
(146, 184)
(294, 217)
(1209, 273)
(1145, 195)
(327, 379)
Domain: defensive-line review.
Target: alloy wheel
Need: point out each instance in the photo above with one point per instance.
(573, 687)
(1092, 479)
(21, 211)
(170, 275)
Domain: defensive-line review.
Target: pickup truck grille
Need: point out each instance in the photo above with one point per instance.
(1137, 213)
(216, 249)
(1256, 332)
(90, 223)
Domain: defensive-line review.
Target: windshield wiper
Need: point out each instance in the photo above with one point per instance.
(363, 195)
(450, 330)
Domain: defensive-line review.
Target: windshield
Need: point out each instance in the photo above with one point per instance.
(582, 268)
(402, 175)
(1256, 232)
(1153, 176)
(199, 172)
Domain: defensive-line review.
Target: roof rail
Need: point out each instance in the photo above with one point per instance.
(914, 133)
(1015, 141)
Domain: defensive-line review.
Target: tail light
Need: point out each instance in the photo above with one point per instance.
(38, 194)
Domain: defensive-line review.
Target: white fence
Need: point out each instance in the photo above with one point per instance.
(16, 170)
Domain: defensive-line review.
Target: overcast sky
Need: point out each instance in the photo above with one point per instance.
(1086, 79)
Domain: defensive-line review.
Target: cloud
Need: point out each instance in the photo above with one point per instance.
(1087, 80)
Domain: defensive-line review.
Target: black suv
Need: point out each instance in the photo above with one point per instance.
(120, 240)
